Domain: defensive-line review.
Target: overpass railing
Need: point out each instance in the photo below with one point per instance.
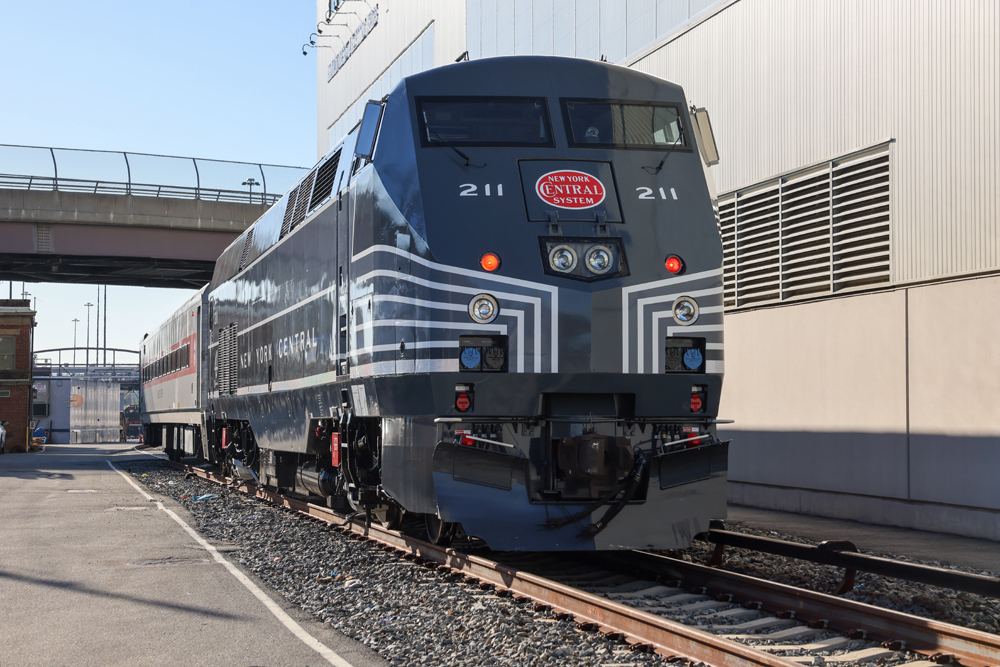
(143, 174)
(64, 362)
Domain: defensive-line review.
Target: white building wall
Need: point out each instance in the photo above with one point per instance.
(792, 83)
(612, 29)
(410, 37)
(875, 406)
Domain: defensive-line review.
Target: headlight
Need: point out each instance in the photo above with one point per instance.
(599, 259)
(562, 258)
(685, 310)
(483, 308)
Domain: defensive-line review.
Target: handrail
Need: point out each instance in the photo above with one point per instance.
(205, 173)
(47, 183)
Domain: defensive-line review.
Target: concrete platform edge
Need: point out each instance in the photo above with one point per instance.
(881, 511)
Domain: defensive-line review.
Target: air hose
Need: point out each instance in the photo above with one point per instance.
(628, 485)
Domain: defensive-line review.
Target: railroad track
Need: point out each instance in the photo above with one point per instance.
(679, 610)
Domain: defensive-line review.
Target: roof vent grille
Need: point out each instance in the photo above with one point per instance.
(324, 181)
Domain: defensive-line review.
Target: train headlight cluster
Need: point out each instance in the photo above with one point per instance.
(483, 308)
(685, 310)
(582, 258)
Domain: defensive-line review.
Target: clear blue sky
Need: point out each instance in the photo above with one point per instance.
(219, 79)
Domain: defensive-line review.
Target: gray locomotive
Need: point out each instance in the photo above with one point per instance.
(497, 303)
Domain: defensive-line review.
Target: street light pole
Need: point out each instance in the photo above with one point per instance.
(251, 182)
(88, 305)
(74, 340)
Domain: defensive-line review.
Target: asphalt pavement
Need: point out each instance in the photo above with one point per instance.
(94, 573)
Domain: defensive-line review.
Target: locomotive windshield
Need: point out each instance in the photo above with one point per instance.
(484, 122)
(604, 124)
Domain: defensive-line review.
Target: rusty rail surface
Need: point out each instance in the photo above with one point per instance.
(924, 635)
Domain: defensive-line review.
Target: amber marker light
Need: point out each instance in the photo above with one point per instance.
(490, 262)
(674, 264)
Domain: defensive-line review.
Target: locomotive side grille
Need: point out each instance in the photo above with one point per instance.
(816, 231)
(226, 360)
(246, 249)
(324, 180)
(305, 189)
(286, 223)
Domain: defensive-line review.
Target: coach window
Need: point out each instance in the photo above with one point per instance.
(631, 125)
(484, 122)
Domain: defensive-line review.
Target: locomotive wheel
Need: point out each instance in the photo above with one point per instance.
(439, 532)
(393, 517)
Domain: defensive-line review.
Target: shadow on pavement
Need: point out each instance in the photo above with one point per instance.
(84, 590)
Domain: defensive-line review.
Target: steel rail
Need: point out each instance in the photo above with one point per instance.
(843, 554)
(670, 639)
(971, 647)
(644, 631)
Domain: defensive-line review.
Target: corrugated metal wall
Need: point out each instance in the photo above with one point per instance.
(399, 25)
(792, 83)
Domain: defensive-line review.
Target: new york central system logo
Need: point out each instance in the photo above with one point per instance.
(570, 189)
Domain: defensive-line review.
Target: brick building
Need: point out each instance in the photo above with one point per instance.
(17, 322)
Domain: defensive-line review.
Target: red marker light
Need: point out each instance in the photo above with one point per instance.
(674, 264)
(490, 262)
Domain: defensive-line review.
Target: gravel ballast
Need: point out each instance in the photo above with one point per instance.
(409, 614)
(412, 615)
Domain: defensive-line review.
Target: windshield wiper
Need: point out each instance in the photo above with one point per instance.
(680, 140)
(468, 161)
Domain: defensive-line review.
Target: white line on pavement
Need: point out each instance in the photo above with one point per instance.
(279, 613)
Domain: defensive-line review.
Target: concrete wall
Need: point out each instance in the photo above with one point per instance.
(52, 206)
(879, 407)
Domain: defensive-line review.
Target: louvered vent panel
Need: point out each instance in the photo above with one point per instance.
(226, 360)
(324, 181)
(43, 236)
(246, 249)
(815, 231)
(286, 223)
(305, 188)
(758, 240)
(805, 233)
(861, 221)
(727, 228)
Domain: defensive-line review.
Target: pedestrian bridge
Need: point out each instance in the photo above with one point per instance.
(118, 218)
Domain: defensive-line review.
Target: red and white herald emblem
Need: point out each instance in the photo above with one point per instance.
(570, 189)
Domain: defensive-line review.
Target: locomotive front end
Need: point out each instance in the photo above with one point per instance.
(553, 277)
